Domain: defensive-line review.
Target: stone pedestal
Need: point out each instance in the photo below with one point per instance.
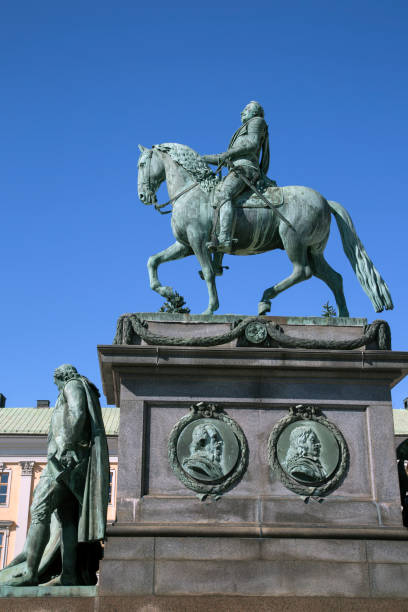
(259, 538)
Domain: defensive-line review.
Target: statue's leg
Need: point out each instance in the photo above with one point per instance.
(297, 253)
(68, 516)
(37, 537)
(231, 188)
(201, 252)
(175, 251)
(321, 269)
(38, 533)
(226, 217)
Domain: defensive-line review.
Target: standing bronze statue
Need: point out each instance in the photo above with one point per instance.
(69, 506)
(251, 220)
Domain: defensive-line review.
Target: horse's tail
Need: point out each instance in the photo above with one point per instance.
(368, 276)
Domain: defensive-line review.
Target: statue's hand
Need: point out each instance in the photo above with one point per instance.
(69, 459)
(214, 160)
(224, 156)
(209, 159)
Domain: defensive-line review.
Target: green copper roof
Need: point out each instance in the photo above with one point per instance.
(37, 420)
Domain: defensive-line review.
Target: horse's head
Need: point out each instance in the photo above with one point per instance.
(150, 174)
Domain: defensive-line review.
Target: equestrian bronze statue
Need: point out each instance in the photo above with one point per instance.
(245, 213)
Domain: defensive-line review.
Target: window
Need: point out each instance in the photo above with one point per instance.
(111, 487)
(4, 488)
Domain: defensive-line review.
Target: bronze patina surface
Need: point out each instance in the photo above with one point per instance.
(68, 513)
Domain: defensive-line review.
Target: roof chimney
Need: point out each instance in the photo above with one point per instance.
(2, 400)
(43, 403)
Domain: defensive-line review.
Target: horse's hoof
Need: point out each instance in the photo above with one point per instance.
(264, 307)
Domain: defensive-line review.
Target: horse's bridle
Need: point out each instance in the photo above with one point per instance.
(148, 163)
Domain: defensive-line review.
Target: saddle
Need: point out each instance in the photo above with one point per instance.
(249, 199)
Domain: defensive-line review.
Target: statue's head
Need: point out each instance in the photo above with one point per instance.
(252, 109)
(302, 459)
(63, 373)
(304, 441)
(150, 174)
(207, 441)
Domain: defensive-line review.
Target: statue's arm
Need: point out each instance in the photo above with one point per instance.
(212, 159)
(75, 420)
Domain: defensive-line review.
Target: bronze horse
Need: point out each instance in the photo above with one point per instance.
(257, 229)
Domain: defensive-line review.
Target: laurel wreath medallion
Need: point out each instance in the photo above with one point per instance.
(222, 485)
(334, 480)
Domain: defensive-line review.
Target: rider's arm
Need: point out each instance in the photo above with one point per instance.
(212, 159)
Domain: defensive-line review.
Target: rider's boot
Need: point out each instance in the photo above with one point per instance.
(225, 242)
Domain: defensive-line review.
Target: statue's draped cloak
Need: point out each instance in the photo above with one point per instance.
(265, 159)
(92, 519)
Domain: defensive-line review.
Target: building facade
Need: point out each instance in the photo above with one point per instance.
(23, 456)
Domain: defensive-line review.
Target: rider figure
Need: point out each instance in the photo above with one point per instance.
(244, 150)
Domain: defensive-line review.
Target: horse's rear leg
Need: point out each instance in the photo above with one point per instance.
(175, 251)
(321, 269)
(297, 253)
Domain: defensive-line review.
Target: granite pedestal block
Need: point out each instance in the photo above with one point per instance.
(259, 538)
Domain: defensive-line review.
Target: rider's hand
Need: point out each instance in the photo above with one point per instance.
(69, 459)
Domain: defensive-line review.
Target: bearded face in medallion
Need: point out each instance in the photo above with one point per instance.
(206, 453)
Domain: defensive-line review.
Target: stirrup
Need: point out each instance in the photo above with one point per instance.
(212, 245)
(226, 245)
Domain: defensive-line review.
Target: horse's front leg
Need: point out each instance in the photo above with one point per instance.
(175, 251)
(208, 273)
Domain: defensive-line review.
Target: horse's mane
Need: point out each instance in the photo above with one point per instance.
(191, 161)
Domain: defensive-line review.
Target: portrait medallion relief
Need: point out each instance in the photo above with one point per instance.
(208, 450)
(308, 453)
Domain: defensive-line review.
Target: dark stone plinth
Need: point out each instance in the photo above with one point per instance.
(205, 603)
(174, 566)
(189, 547)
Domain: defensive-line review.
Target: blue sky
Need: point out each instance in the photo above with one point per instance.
(84, 82)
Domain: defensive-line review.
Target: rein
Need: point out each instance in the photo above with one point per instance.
(158, 207)
(170, 202)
